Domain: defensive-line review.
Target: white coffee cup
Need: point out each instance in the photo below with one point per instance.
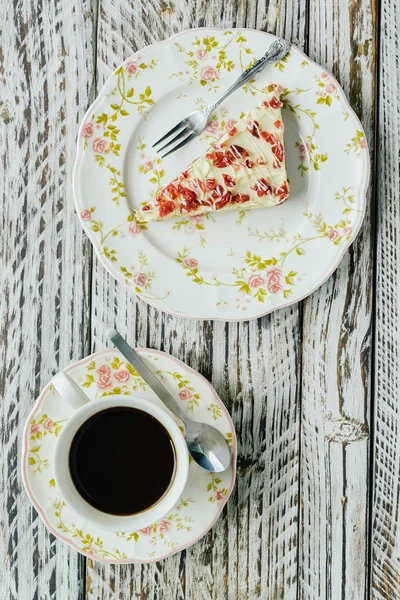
(86, 408)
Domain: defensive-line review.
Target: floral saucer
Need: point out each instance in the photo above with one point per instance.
(104, 374)
(238, 265)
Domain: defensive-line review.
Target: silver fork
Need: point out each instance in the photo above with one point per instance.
(194, 123)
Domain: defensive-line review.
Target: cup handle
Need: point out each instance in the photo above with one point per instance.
(69, 390)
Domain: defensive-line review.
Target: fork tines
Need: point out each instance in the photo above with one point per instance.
(185, 134)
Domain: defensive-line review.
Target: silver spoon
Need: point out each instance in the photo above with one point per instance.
(206, 444)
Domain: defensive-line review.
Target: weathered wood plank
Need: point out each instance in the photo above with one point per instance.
(45, 73)
(337, 351)
(251, 551)
(386, 531)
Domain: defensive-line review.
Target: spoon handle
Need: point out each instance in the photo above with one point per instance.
(146, 374)
(277, 50)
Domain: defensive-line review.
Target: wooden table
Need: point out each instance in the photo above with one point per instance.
(313, 389)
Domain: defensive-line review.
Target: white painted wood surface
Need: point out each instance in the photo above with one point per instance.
(385, 518)
(46, 69)
(251, 551)
(297, 382)
(336, 374)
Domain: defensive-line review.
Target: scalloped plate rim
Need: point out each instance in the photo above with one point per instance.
(325, 275)
(69, 541)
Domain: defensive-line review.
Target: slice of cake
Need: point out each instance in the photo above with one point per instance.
(244, 169)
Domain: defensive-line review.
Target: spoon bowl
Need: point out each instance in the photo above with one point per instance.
(205, 443)
(208, 448)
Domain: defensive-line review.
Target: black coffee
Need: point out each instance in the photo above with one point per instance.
(122, 460)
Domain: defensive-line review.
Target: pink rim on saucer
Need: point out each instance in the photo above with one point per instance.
(106, 373)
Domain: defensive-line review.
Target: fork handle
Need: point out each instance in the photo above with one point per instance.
(277, 50)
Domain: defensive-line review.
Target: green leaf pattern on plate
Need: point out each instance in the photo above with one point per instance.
(102, 375)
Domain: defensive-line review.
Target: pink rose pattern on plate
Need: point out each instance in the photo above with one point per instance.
(104, 370)
(213, 126)
(86, 215)
(87, 130)
(207, 53)
(263, 278)
(149, 165)
(38, 429)
(147, 530)
(327, 89)
(48, 424)
(178, 528)
(140, 279)
(119, 377)
(44, 426)
(304, 149)
(157, 533)
(209, 74)
(207, 61)
(219, 124)
(255, 281)
(357, 144)
(201, 54)
(274, 280)
(130, 68)
(134, 229)
(113, 377)
(186, 391)
(123, 376)
(191, 263)
(100, 146)
(104, 382)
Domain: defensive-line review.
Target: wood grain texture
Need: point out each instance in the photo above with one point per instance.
(386, 530)
(336, 375)
(251, 552)
(45, 73)
(297, 382)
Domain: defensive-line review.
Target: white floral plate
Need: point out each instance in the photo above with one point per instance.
(227, 266)
(106, 373)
